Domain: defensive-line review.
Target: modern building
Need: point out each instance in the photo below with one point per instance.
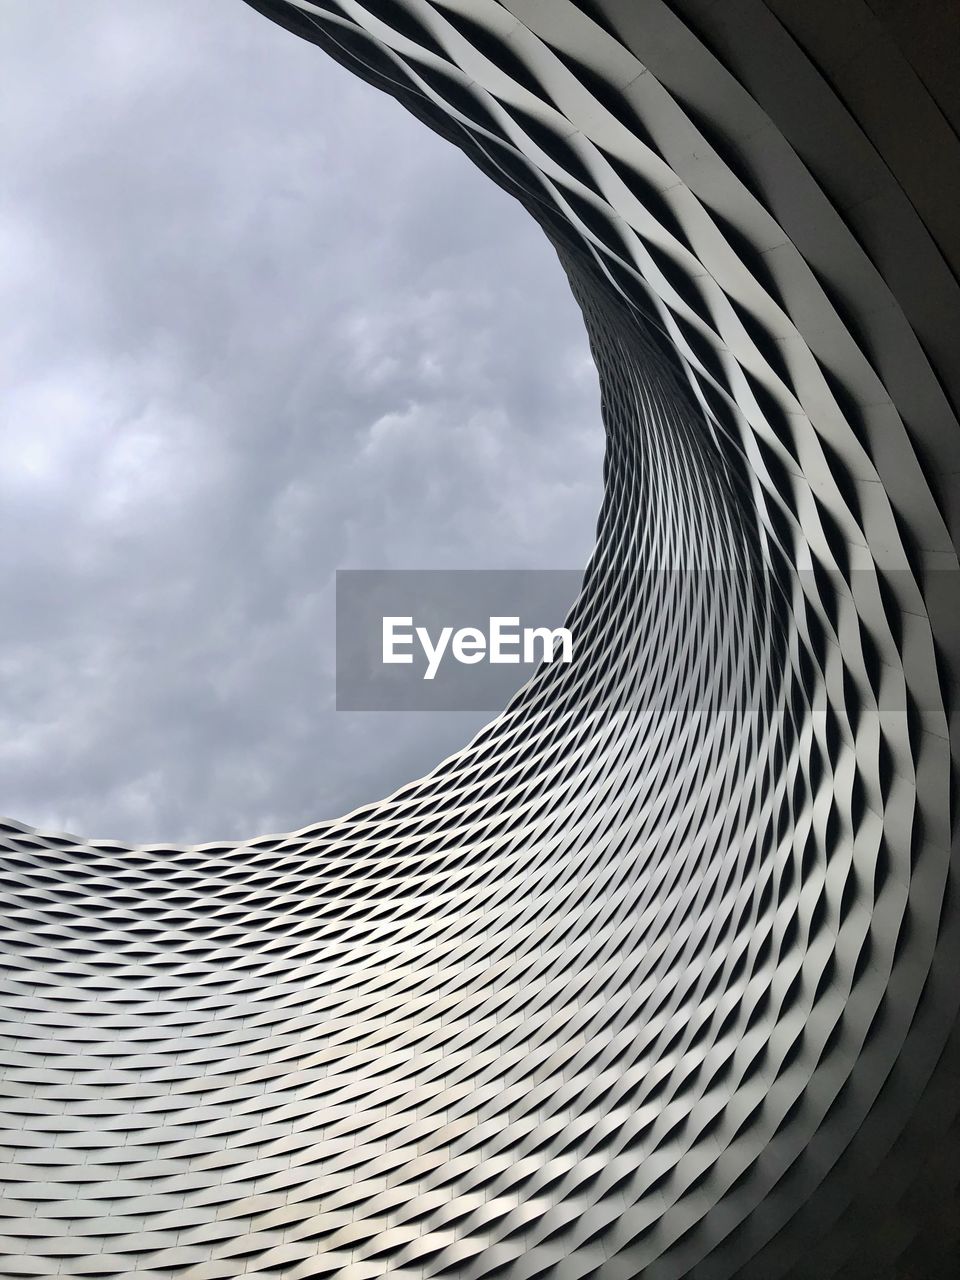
(658, 977)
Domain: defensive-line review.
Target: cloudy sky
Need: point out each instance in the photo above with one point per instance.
(256, 324)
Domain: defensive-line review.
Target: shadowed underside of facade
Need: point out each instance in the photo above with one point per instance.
(658, 976)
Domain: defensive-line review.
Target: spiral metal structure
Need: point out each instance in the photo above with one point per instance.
(658, 976)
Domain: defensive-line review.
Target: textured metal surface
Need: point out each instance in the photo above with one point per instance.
(657, 977)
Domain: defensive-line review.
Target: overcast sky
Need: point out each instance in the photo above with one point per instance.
(256, 323)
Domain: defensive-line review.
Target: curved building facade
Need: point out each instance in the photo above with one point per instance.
(658, 976)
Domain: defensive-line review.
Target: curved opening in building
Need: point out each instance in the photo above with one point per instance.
(262, 325)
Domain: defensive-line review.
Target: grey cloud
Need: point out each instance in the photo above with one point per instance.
(232, 364)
